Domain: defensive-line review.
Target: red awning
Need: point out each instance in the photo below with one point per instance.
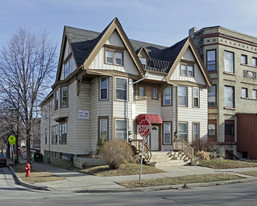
(153, 118)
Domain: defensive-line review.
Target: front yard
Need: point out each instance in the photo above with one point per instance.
(37, 175)
(225, 164)
(123, 170)
(179, 180)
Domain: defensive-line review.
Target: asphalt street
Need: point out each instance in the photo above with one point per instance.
(235, 194)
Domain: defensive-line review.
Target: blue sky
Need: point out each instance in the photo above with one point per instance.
(161, 22)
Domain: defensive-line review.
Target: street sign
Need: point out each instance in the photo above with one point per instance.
(12, 140)
(144, 127)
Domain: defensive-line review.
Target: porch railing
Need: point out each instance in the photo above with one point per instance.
(181, 145)
(137, 143)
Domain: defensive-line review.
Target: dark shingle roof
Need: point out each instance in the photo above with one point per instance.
(84, 41)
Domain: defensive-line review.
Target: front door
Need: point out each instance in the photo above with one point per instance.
(154, 142)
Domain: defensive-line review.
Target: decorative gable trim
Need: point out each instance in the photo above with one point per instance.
(189, 44)
(114, 26)
(61, 56)
(143, 50)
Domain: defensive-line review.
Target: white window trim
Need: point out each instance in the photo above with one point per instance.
(125, 127)
(116, 89)
(186, 103)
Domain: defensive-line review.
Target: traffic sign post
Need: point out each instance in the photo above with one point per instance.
(12, 141)
(143, 130)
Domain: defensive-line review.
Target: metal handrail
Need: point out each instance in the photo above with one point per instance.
(138, 145)
(181, 145)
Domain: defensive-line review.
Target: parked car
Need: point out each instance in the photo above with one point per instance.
(3, 160)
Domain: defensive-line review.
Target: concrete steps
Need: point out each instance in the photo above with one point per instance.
(169, 158)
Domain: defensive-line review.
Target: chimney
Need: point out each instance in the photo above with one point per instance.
(192, 32)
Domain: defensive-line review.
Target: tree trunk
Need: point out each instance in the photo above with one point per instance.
(28, 149)
(17, 149)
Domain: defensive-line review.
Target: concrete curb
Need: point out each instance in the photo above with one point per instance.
(170, 187)
(18, 181)
(142, 189)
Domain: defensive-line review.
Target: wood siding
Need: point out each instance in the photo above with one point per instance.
(128, 64)
(190, 114)
(198, 76)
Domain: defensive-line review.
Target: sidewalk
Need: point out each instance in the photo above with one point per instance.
(77, 182)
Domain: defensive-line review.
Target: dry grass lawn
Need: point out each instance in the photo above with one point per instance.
(225, 164)
(250, 173)
(37, 175)
(123, 170)
(179, 180)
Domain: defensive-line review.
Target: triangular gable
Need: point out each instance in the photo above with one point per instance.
(189, 44)
(65, 43)
(104, 36)
(143, 53)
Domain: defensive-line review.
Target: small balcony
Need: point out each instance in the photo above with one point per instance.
(158, 65)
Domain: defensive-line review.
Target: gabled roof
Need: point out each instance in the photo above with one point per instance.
(180, 50)
(86, 44)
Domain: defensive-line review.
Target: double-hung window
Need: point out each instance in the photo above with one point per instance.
(211, 60)
(54, 134)
(182, 131)
(141, 91)
(103, 128)
(243, 59)
(229, 62)
(196, 97)
(167, 133)
(244, 93)
(113, 56)
(196, 133)
(212, 96)
(187, 70)
(120, 129)
(182, 95)
(121, 89)
(254, 62)
(104, 88)
(63, 133)
(254, 94)
(154, 93)
(167, 95)
(211, 129)
(229, 97)
(67, 68)
(65, 97)
(56, 99)
(45, 135)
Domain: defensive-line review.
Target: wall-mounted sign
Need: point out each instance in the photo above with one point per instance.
(83, 114)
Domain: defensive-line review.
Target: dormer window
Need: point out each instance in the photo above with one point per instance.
(113, 56)
(67, 68)
(143, 61)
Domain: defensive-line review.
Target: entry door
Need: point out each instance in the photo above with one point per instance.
(155, 138)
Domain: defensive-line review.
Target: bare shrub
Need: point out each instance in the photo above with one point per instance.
(115, 153)
(202, 155)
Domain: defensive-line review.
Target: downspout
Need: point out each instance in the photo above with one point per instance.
(146, 75)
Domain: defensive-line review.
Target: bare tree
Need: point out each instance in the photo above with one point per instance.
(26, 69)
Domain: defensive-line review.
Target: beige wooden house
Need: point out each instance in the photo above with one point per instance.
(106, 83)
